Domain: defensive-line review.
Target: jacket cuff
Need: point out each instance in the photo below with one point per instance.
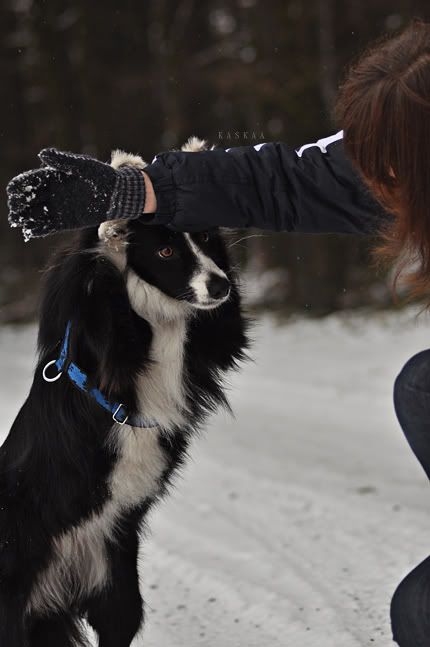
(128, 200)
(165, 192)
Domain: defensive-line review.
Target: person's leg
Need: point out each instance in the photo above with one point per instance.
(412, 404)
(410, 606)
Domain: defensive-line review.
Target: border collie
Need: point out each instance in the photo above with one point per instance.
(138, 326)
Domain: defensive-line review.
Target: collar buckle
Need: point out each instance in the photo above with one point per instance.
(119, 422)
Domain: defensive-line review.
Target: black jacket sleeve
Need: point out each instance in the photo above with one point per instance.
(268, 186)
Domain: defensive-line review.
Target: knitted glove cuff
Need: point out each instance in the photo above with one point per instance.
(128, 199)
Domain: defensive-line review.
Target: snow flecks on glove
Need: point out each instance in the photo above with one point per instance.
(24, 193)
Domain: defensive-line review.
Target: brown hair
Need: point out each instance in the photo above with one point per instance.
(384, 110)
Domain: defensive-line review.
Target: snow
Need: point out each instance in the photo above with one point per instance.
(293, 523)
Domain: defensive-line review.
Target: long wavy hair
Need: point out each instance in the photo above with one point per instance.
(384, 110)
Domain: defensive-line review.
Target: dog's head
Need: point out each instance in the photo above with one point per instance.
(165, 270)
(191, 268)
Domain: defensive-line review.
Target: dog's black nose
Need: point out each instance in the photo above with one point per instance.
(218, 287)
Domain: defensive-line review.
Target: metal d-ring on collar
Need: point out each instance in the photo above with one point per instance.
(119, 412)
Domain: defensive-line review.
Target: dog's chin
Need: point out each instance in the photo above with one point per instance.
(211, 304)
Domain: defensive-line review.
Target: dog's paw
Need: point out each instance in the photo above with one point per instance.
(113, 234)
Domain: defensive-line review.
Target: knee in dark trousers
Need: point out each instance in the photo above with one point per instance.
(410, 608)
(415, 373)
(412, 404)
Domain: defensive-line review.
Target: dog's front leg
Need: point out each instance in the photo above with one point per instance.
(116, 613)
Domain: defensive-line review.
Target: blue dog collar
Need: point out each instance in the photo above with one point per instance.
(118, 411)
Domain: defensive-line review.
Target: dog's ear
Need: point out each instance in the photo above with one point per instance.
(113, 233)
(195, 145)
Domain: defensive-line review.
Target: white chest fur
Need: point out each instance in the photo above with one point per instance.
(161, 387)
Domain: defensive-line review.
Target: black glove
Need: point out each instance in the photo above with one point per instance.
(73, 191)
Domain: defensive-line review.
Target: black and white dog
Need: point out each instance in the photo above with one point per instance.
(138, 326)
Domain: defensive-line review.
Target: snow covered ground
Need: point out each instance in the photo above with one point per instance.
(293, 523)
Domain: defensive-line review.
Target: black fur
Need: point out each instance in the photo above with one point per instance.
(55, 464)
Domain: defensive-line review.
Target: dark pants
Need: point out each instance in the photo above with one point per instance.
(410, 606)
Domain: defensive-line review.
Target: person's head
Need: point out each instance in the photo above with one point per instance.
(384, 110)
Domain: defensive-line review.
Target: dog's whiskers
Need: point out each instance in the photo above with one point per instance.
(247, 238)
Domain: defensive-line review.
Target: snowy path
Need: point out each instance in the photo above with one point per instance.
(292, 524)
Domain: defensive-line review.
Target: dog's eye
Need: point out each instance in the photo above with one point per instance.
(165, 252)
(205, 237)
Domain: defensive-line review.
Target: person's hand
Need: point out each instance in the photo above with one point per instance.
(73, 191)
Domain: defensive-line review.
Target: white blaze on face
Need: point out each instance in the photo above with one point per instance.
(205, 268)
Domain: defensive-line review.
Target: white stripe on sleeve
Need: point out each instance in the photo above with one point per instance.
(257, 147)
(322, 143)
